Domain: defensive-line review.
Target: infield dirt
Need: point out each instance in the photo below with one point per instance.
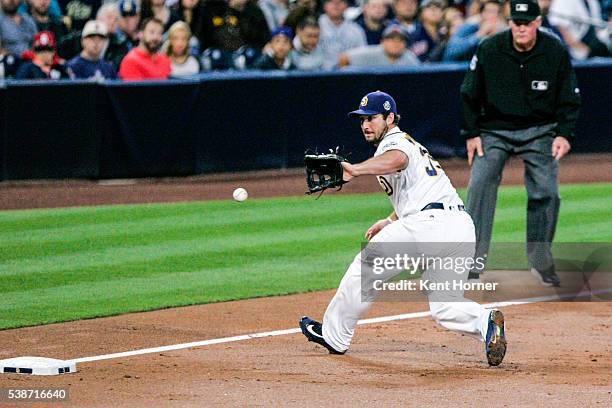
(559, 355)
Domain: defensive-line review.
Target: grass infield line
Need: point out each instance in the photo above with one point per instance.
(274, 333)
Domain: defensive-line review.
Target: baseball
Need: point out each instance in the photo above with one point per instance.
(240, 194)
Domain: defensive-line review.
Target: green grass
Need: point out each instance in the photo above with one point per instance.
(74, 263)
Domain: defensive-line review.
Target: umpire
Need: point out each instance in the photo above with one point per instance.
(519, 97)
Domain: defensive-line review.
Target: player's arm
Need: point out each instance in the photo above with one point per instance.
(387, 163)
(379, 225)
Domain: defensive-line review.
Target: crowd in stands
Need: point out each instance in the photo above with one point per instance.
(159, 39)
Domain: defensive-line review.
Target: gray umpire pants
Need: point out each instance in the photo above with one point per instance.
(534, 147)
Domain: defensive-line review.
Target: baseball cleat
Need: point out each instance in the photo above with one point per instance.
(313, 332)
(495, 343)
(547, 278)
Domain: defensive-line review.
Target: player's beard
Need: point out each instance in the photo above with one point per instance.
(376, 141)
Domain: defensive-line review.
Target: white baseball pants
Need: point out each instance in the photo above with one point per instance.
(451, 309)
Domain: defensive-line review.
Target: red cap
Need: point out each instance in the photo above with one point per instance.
(44, 40)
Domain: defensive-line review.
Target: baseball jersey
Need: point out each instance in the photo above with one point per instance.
(419, 184)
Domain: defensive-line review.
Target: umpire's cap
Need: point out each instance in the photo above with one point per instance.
(375, 103)
(524, 10)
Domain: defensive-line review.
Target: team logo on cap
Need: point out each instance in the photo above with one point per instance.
(387, 105)
(521, 7)
(44, 39)
(364, 101)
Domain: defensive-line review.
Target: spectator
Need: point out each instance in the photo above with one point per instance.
(406, 14)
(54, 9)
(77, 13)
(546, 25)
(90, 64)
(44, 64)
(462, 45)
(472, 11)
(275, 11)
(232, 24)
(307, 54)
(16, 30)
(373, 20)
(276, 54)
(109, 15)
(116, 49)
(190, 11)
(145, 61)
(337, 34)
(177, 49)
(576, 20)
(45, 21)
(128, 23)
(426, 37)
(392, 51)
(452, 20)
(159, 10)
(299, 10)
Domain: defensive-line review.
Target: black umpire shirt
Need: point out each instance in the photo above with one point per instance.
(505, 89)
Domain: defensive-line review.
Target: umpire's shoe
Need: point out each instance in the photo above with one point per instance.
(495, 343)
(547, 277)
(313, 332)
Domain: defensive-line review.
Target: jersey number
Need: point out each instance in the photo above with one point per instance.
(385, 185)
(434, 166)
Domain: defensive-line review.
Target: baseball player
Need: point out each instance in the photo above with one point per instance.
(427, 209)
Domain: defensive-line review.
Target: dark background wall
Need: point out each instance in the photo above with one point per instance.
(239, 121)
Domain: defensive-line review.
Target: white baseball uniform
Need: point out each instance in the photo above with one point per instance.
(410, 190)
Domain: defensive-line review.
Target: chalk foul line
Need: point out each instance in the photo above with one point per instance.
(284, 332)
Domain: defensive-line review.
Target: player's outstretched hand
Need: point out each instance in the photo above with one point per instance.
(474, 145)
(376, 228)
(560, 147)
(349, 171)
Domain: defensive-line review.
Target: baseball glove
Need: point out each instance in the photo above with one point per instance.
(323, 171)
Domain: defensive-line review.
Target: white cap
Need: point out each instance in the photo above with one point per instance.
(94, 27)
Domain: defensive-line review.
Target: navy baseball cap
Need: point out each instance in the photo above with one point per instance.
(375, 103)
